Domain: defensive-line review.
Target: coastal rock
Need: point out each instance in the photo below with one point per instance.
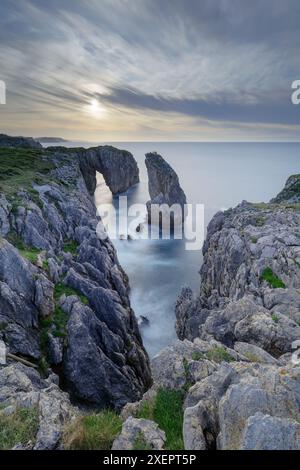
(89, 332)
(17, 142)
(141, 432)
(22, 387)
(290, 192)
(265, 432)
(108, 161)
(164, 187)
(249, 280)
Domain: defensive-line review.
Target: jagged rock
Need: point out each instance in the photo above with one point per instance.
(4, 213)
(168, 366)
(24, 142)
(236, 302)
(22, 387)
(164, 187)
(108, 161)
(97, 367)
(54, 350)
(144, 430)
(59, 217)
(254, 353)
(264, 432)
(291, 191)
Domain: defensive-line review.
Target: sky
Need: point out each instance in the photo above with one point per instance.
(150, 70)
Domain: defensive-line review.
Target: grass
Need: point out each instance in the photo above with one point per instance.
(219, 354)
(30, 253)
(166, 409)
(93, 432)
(254, 239)
(61, 289)
(70, 246)
(271, 278)
(275, 318)
(260, 221)
(197, 356)
(18, 427)
(19, 168)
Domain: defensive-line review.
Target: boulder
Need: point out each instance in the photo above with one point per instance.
(140, 433)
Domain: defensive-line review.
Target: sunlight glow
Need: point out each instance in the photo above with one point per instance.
(96, 109)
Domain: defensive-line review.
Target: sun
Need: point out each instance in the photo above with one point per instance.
(96, 109)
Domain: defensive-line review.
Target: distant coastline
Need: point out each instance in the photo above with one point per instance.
(43, 140)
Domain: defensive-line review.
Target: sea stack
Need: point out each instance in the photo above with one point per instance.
(164, 188)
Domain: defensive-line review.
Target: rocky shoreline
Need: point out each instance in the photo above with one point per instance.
(229, 382)
(64, 298)
(233, 362)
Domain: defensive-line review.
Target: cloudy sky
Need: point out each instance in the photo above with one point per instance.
(115, 70)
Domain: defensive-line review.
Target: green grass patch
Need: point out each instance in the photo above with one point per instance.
(275, 318)
(70, 246)
(30, 253)
(271, 278)
(166, 409)
(21, 426)
(60, 289)
(219, 354)
(254, 239)
(93, 432)
(19, 168)
(197, 356)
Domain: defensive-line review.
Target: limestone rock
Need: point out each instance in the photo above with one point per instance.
(163, 184)
(139, 429)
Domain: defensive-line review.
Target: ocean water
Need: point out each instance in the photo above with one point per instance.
(218, 175)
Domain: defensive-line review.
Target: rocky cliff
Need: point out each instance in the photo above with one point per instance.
(163, 184)
(233, 365)
(64, 301)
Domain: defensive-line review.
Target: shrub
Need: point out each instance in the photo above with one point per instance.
(93, 432)
(20, 426)
(275, 318)
(219, 354)
(70, 246)
(167, 411)
(61, 289)
(30, 253)
(271, 278)
(197, 356)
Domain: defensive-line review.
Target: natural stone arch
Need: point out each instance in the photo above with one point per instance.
(118, 167)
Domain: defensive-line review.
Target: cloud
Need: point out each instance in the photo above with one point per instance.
(216, 60)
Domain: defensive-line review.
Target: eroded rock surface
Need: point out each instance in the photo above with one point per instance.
(163, 184)
(64, 298)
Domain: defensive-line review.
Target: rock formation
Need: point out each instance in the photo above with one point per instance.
(19, 142)
(234, 362)
(163, 184)
(108, 161)
(291, 191)
(63, 295)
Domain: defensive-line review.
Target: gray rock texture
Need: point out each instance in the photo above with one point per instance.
(249, 302)
(108, 161)
(64, 298)
(249, 280)
(22, 387)
(135, 431)
(163, 184)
